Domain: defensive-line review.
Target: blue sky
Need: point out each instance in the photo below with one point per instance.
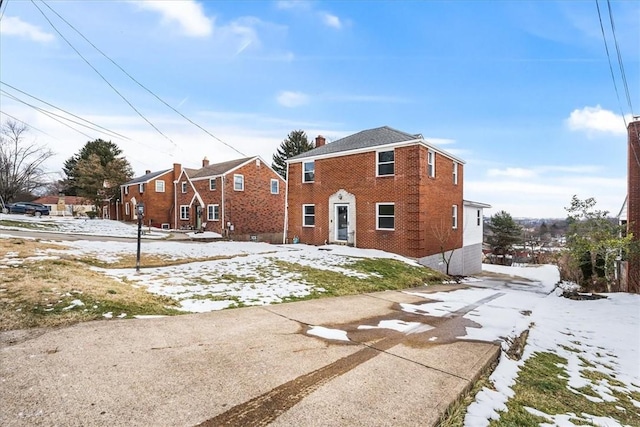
(521, 90)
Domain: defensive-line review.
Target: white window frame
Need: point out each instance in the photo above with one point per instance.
(126, 189)
(379, 163)
(431, 164)
(277, 186)
(183, 186)
(184, 212)
(454, 217)
(313, 171)
(455, 173)
(478, 217)
(235, 188)
(141, 188)
(305, 215)
(127, 210)
(159, 186)
(213, 212)
(212, 184)
(378, 216)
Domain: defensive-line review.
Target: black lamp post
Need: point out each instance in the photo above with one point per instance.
(140, 212)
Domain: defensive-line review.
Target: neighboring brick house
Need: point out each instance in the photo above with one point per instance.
(633, 203)
(242, 199)
(156, 191)
(380, 188)
(66, 205)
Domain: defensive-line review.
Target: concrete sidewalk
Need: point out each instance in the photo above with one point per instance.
(248, 366)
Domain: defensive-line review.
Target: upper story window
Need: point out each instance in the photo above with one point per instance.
(478, 217)
(275, 186)
(431, 164)
(184, 187)
(455, 173)
(385, 216)
(308, 215)
(308, 171)
(238, 182)
(141, 187)
(159, 186)
(454, 216)
(212, 184)
(385, 163)
(126, 189)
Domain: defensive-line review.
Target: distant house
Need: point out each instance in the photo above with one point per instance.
(66, 205)
(241, 199)
(382, 189)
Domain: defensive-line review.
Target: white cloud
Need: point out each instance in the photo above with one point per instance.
(331, 20)
(440, 141)
(596, 119)
(512, 173)
(187, 14)
(293, 4)
(366, 98)
(292, 99)
(14, 26)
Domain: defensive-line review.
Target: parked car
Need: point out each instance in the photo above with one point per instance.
(35, 209)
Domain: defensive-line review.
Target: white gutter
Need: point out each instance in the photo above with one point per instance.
(286, 207)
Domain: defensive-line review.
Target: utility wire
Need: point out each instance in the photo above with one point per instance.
(27, 124)
(143, 86)
(101, 76)
(67, 112)
(620, 63)
(3, 3)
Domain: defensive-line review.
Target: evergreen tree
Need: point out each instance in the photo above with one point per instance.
(106, 151)
(505, 232)
(295, 143)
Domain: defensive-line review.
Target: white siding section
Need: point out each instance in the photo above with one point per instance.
(472, 232)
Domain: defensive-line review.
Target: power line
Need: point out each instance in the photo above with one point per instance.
(141, 85)
(101, 76)
(67, 112)
(620, 63)
(25, 123)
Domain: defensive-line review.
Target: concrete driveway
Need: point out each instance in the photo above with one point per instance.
(247, 366)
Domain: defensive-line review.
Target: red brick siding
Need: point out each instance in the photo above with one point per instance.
(158, 206)
(419, 201)
(633, 202)
(185, 199)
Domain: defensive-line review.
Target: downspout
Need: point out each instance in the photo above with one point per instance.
(222, 178)
(286, 206)
(175, 205)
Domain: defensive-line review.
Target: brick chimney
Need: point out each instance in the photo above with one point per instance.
(320, 140)
(205, 162)
(633, 202)
(147, 172)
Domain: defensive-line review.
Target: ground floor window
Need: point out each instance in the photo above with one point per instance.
(184, 211)
(309, 215)
(213, 212)
(385, 216)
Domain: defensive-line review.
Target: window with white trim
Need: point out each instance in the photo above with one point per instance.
(238, 182)
(308, 215)
(478, 217)
(159, 186)
(126, 209)
(126, 189)
(184, 187)
(141, 187)
(454, 216)
(431, 164)
(385, 161)
(184, 211)
(455, 173)
(213, 212)
(275, 186)
(308, 171)
(212, 184)
(385, 216)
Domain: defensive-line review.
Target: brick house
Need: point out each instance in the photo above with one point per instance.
(633, 204)
(381, 189)
(242, 199)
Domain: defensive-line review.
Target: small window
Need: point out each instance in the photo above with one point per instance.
(159, 186)
(126, 209)
(184, 211)
(308, 171)
(454, 216)
(431, 164)
(275, 186)
(385, 216)
(455, 173)
(478, 217)
(238, 182)
(213, 212)
(212, 184)
(165, 226)
(385, 161)
(141, 188)
(308, 215)
(126, 189)
(184, 187)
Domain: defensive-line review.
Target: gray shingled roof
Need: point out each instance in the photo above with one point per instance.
(147, 177)
(364, 139)
(218, 168)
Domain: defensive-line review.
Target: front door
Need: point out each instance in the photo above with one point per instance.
(342, 223)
